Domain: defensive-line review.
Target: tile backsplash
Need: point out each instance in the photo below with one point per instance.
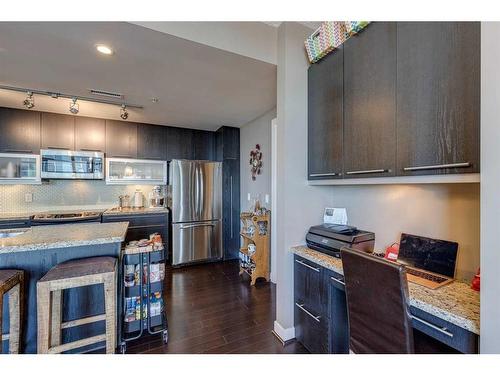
(64, 194)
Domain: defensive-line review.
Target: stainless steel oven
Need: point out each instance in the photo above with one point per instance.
(79, 165)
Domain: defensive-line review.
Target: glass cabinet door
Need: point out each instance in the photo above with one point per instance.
(19, 169)
(136, 171)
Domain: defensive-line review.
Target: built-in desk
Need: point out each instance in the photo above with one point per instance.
(449, 314)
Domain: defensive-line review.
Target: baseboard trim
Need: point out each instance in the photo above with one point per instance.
(285, 335)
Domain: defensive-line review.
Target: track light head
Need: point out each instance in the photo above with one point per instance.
(124, 112)
(29, 102)
(74, 107)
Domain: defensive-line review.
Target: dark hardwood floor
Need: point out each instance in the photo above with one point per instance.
(211, 309)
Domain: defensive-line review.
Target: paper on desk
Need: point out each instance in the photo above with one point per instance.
(335, 215)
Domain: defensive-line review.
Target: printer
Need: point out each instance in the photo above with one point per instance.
(329, 238)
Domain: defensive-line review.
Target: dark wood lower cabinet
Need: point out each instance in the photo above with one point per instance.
(311, 331)
(322, 324)
(11, 224)
(337, 313)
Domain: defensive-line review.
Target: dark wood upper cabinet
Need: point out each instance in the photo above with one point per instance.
(370, 102)
(438, 97)
(58, 131)
(203, 145)
(179, 143)
(121, 139)
(228, 143)
(151, 142)
(90, 134)
(19, 131)
(325, 117)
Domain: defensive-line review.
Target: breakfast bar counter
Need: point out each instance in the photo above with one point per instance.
(36, 250)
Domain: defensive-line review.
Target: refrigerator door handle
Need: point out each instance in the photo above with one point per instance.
(198, 225)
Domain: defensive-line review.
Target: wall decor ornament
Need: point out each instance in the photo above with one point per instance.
(255, 161)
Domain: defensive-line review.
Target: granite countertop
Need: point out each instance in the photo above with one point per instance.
(456, 303)
(66, 235)
(136, 211)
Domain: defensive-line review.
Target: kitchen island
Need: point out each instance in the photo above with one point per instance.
(36, 250)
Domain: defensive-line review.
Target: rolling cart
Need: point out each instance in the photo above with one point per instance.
(143, 306)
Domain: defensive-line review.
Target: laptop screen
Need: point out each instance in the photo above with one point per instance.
(432, 255)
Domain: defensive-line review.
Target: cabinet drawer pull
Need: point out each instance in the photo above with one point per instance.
(369, 171)
(324, 174)
(307, 265)
(338, 281)
(443, 330)
(301, 306)
(439, 166)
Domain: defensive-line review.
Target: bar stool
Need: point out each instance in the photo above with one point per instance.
(12, 283)
(74, 274)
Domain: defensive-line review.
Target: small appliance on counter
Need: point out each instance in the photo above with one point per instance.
(138, 199)
(156, 197)
(329, 238)
(124, 201)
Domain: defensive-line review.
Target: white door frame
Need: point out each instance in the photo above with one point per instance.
(274, 200)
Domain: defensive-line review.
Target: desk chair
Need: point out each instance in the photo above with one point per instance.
(377, 305)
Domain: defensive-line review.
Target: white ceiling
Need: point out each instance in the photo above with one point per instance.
(198, 86)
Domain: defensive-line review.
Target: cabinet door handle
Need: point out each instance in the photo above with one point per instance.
(19, 151)
(58, 148)
(443, 330)
(369, 171)
(301, 306)
(438, 166)
(307, 265)
(90, 150)
(324, 174)
(338, 281)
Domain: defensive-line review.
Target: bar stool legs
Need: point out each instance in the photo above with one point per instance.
(12, 283)
(73, 274)
(110, 307)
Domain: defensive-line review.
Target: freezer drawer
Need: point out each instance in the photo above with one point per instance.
(196, 241)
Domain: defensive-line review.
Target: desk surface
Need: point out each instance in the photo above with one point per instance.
(456, 303)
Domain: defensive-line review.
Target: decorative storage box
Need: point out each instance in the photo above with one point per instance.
(354, 27)
(329, 36)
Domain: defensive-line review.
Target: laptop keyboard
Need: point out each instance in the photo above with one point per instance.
(425, 275)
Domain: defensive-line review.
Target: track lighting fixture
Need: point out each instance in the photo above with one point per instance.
(124, 112)
(74, 107)
(29, 102)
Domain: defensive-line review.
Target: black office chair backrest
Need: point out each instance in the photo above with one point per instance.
(377, 304)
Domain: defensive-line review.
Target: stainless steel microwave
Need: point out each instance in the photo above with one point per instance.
(78, 165)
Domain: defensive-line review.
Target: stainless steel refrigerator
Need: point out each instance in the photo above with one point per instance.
(196, 206)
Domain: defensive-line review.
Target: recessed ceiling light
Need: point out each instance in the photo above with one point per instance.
(105, 50)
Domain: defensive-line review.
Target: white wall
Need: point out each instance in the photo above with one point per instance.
(299, 205)
(255, 132)
(444, 211)
(490, 187)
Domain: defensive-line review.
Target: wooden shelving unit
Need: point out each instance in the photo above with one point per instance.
(256, 230)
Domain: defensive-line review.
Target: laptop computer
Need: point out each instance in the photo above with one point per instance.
(429, 262)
